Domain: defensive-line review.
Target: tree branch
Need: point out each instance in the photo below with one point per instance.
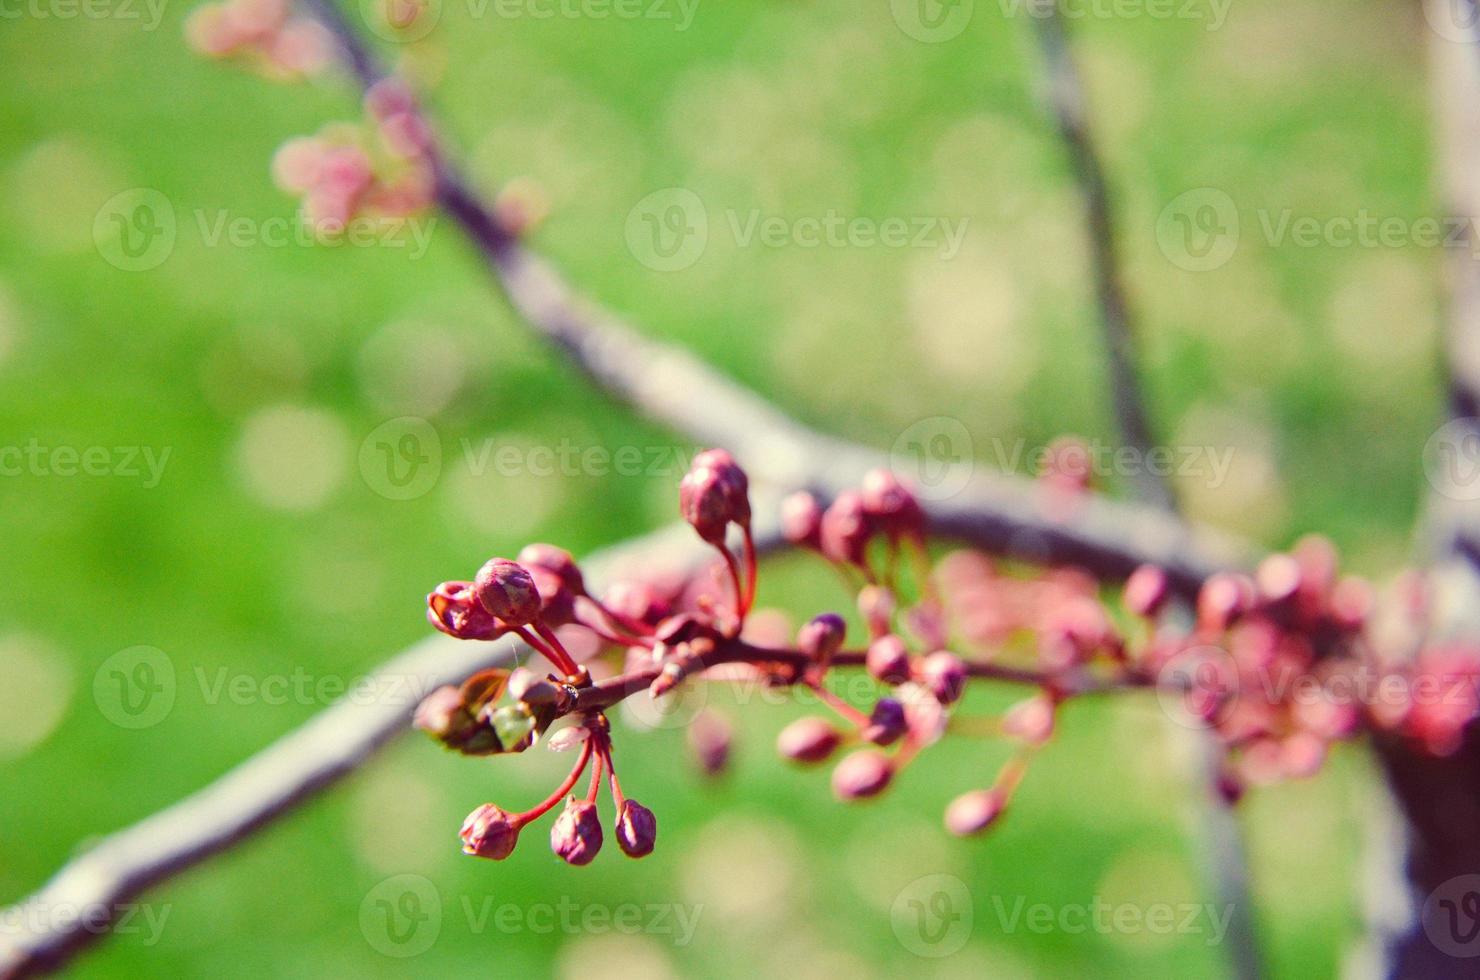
(1065, 94)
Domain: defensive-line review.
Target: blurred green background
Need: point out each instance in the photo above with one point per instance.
(264, 550)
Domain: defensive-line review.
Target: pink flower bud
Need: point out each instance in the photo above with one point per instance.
(1030, 720)
(888, 660)
(558, 562)
(1351, 603)
(713, 493)
(822, 638)
(890, 503)
(489, 832)
(972, 813)
(1146, 591)
(846, 528)
(638, 601)
(637, 829)
(876, 604)
(808, 740)
(1277, 579)
(710, 736)
(1224, 597)
(886, 724)
(576, 835)
(441, 714)
(863, 774)
(1302, 755)
(944, 675)
(801, 519)
(455, 610)
(507, 590)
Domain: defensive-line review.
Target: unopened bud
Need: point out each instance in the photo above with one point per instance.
(801, 519)
(507, 590)
(822, 638)
(576, 835)
(891, 504)
(972, 813)
(876, 604)
(489, 832)
(710, 736)
(861, 775)
(808, 740)
(637, 829)
(846, 528)
(455, 610)
(1224, 597)
(714, 492)
(886, 724)
(557, 561)
(1146, 591)
(888, 659)
(1031, 720)
(944, 675)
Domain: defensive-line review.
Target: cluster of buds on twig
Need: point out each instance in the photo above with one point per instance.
(382, 168)
(931, 626)
(264, 33)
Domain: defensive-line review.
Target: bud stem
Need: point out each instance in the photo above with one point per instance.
(520, 819)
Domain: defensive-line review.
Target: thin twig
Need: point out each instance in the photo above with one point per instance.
(1065, 95)
(1223, 847)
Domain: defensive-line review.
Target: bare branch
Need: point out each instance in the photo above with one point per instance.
(1065, 94)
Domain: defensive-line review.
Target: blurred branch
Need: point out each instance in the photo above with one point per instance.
(1065, 94)
(1222, 841)
(1004, 514)
(45, 930)
(1439, 798)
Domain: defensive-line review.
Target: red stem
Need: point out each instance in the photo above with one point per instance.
(575, 773)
